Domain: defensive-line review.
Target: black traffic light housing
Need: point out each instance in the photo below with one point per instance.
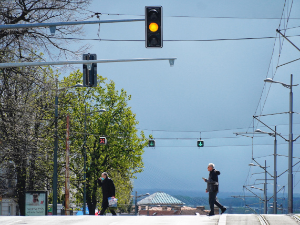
(90, 71)
(102, 141)
(200, 143)
(153, 26)
(151, 143)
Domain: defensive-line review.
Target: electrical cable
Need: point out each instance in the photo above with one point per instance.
(280, 49)
(171, 40)
(220, 146)
(185, 16)
(273, 74)
(206, 131)
(273, 50)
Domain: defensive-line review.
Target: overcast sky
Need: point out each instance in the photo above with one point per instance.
(215, 87)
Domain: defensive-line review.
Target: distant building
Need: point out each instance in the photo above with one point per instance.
(162, 204)
(8, 180)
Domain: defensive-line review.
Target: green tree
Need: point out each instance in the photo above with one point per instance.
(121, 157)
(24, 107)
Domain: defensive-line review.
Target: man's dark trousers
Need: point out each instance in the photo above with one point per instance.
(213, 201)
(104, 208)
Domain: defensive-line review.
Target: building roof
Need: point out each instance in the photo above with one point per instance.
(160, 198)
(159, 212)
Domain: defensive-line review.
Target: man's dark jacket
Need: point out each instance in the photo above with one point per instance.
(108, 189)
(213, 181)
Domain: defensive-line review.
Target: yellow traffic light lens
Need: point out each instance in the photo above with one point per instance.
(153, 27)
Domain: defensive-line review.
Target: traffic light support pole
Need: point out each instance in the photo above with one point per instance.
(290, 154)
(84, 166)
(54, 210)
(275, 175)
(53, 25)
(9, 65)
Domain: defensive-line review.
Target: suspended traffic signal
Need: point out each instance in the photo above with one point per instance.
(151, 143)
(90, 71)
(102, 140)
(153, 26)
(200, 143)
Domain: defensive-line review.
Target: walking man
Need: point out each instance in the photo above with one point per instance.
(108, 190)
(213, 189)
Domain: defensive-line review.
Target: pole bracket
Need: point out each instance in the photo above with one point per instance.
(52, 30)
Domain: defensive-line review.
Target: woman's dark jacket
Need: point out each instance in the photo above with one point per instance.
(213, 181)
(108, 188)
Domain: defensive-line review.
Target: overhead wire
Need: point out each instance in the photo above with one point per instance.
(219, 146)
(271, 65)
(189, 16)
(205, 131)
(271, 60)
(280, 49)
(170, 40)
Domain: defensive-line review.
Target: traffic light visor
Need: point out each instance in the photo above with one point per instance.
(153, 27)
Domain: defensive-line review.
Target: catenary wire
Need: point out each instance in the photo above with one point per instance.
(186, 16)
(171, 40)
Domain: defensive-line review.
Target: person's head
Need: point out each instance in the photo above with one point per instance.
(104, 175)
(210, 167)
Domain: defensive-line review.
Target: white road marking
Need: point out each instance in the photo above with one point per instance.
(222, 220)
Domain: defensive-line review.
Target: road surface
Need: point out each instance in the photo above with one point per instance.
(231, 219)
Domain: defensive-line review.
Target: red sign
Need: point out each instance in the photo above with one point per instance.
(102, 141)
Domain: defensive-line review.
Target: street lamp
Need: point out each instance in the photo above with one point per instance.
(257, 188)
(290, 155)
(56, 145)
(84, 150)
(275, 168)
(265, 186)
(135, 203)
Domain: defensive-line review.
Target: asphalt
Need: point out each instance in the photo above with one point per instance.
(231, 219)
(242, 219)
(280, 219)
(109, 220)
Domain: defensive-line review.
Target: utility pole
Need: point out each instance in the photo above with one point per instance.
(265, 191)
(84, 166)
(67, 181)
(55, 153)
(135, 204)
(290, 156)
(290, 140)
(275, 175)
(54, 186)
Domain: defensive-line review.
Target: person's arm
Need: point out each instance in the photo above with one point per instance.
(113, 189)
(99, 182)
(212, 179)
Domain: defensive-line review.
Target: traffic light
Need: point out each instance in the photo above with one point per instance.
(90, 71)
(151, 143)
(200, 143)
(153, 26)
(103, 141)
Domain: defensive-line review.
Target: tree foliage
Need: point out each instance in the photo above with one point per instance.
(24, 106)
(23, 43)
(26, 99)
(121, 157)
(27, 111)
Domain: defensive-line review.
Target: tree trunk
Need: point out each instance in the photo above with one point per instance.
(21, 187)
(91, 194)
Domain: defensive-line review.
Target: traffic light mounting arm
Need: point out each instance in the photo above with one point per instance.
(86, 62)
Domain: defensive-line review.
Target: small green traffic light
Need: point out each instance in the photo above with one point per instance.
(200, 143)
(151, 143)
